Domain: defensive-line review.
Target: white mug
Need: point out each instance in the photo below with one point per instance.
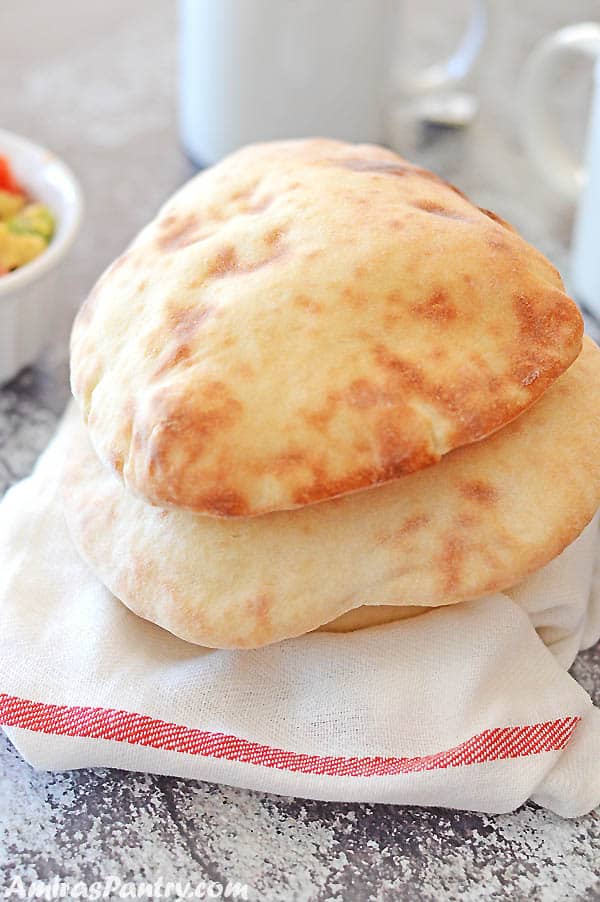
(577, 182)
(253, 70)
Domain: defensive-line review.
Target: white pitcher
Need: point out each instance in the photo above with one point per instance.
(575, 181)
(253, 70)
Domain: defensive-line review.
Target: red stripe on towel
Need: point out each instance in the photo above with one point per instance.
(139, 729)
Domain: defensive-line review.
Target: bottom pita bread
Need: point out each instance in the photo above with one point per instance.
(477, 522)
(371, 615)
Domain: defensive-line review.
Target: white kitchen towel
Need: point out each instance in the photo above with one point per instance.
(462, 706)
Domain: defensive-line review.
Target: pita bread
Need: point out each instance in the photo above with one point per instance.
(371, 615)
(479, 521)
(308, 319)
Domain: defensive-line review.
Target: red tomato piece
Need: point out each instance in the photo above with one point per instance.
(7, 180)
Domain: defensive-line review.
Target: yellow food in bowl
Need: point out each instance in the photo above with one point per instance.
(26, 227)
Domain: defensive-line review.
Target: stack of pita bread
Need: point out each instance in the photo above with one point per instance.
(323, 389)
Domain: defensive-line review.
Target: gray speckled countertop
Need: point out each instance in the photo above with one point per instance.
(96, 82)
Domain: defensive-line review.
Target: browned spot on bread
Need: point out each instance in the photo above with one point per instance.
(363, 394)
(480, 491)
(244, 369)
(498, 243)
(438, 308)
(391, 319)
(438, 354)
(494, 560)
(544, 328)
(523, 373)
(274, 236)
(324, 487)
(182, 325)
(397, 454)
(179, 433)
(451, 563)
(407, 373)
(244, 193)
(224, 503)
(285, 461)
(259, 609)
(306, 303)
(540, 323)
(176, 354)
(412, 525)
(320, 417)
(177, 232)
(491, 215)
(461, 403)
(430, 206)
(116, 462)
(396, 224)
(456, 401)
(184, 322)
(494, 383)
(227, 263)
(354, 298)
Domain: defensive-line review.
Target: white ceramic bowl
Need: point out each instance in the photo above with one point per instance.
(27, 303)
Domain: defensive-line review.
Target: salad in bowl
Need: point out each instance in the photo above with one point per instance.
(26, 226)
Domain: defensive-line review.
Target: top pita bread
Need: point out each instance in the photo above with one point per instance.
(307, 319)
